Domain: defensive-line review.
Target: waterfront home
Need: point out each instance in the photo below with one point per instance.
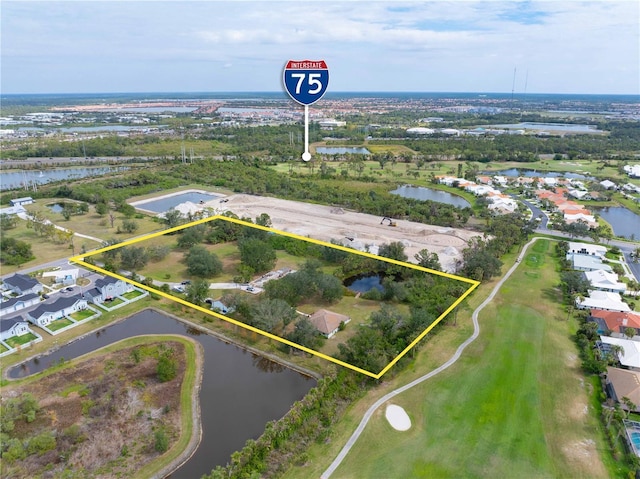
(48, 312)
(107, 288)
(11, 327)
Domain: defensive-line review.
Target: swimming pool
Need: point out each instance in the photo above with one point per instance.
(162, 205)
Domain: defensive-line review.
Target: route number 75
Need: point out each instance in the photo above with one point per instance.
(314, 80)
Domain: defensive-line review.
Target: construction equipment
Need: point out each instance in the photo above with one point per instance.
(391, 222)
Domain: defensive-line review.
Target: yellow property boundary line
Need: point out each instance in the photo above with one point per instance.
(80, 259)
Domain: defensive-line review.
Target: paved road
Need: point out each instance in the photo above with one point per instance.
(476, 332)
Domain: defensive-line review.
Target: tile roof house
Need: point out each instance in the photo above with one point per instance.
(11, 327)
(23, 284)
(615, 321)
(328, 322)
(61, 307)
(12, 305)
(624, 383)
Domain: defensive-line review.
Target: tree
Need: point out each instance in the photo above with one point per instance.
(191, 236)
(7, 222)
(272, 315)
(167, 367)
(14, 252)
(256, 254)
(197, 291)
(394, 250)
(129, 226)
(201, 262)
(173, 218)
(133, 258)
(101, 209)
(629, 332)
(305, 334)
(428, 260)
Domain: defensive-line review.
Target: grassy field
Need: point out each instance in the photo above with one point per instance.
(515, 405)
(59, 324)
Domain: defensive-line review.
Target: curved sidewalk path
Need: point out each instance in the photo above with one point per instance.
(476, 332)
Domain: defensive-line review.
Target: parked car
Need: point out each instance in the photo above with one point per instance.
(186, 282)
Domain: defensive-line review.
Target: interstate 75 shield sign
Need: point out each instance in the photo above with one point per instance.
(306, 80)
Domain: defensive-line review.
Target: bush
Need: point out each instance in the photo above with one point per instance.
(161, 441)
(167, 367)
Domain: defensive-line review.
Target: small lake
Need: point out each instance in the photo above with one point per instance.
(342, 150)
(55, 207)
(517, 172)
(624, 222)
(240, 391)
(422, 193)
(17, 179)
(165, 204)
(363, 283)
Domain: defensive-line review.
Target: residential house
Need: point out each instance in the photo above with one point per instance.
(107, 288)
(582, 262)
(607, 184)
(12, 305)
(61, 307)
(630, 354)
(328, 322)
(23, 284)
(602, 300)
(632, 170)
(588, 249)
(621, 383)
(11, 327)
(64, 276)
(604, 281)
(615, 321)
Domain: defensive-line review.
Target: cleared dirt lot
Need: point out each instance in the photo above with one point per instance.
(353, 229)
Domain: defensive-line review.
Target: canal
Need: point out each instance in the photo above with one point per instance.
(240, 391)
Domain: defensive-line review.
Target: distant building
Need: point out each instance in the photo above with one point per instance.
(331, 123)
(27, 200)
(419, 130)
(609, 185)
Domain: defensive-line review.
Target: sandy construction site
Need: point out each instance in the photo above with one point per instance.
(357, 230)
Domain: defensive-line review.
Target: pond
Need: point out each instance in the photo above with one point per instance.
(422, 193)
(364, 283)
(517, 172)
(161, 205)
(55, 207)
(18, 179)
(624, 222)
(240, 391)
(342, 150)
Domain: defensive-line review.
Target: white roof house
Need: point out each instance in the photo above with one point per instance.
(608, 184)
(586, 248)
(583, 262)
(630, 355)
(419, 130)
(604, 281)
(603, 300)
(632, 170)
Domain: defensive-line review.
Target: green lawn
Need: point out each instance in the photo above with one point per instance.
(515, 405)
(132, 294)
(112, 304)
(59, 324)
(3, 348)
(16, 341)
(84, 314)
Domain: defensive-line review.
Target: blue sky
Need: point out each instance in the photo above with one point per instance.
(138, 46)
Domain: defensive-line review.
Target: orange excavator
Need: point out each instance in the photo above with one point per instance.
(390, 221)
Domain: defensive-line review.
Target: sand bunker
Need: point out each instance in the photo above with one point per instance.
(398, 418)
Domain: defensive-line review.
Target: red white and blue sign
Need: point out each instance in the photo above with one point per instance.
(306, 81)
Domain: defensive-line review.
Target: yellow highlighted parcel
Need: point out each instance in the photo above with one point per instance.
(80, 259)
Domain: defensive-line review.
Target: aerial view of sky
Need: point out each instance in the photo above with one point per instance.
(558, 46)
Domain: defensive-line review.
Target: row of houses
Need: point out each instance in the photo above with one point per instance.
(499, 203)
(572, 212)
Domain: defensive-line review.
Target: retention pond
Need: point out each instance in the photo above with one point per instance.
(240, 391)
